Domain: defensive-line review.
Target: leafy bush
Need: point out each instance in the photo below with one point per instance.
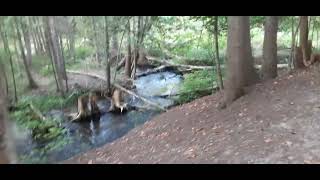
(46, 70)
(83, 52)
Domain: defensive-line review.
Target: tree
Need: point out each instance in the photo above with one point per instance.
(218, 69)
(27, 42)
(72, 40)
(107, 54)
(240, 69)
(32, 83)
(96, 39)
(50, 51)
(269, 65)
(127, 66)
(4, 75)
(304, 51)
(7, 150)
(56, 54)
(9, 55)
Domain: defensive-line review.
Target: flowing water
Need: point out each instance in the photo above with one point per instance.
(83, 136)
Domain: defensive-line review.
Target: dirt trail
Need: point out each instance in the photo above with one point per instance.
(276, 122)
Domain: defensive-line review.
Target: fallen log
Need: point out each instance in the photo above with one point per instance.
(152, 71)
(121, 64)
(165, 62)
(191, 67)
(119, 87)
(37, 112)
(137, 96)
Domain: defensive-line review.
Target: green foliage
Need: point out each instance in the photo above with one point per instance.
(41, 130)
(197, 84)
(38, 154)
(83, 52)
(46, 70)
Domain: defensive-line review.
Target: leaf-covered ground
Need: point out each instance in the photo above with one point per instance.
(276, 122)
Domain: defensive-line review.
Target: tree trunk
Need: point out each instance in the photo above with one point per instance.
(317, 39)
(63, 62)
(32, 83)
(7, 147)
(4, 75)
(270, 61)
(240, 67)
(50, 51)
(8, 53)
(107, 55)
(27, 42)
(56, 52)
(42, 40)
(127, 66)
(72, 43)
(303, 51)
(293, 57)
(96, 41)
(218, 69)
(35, 42)
(41, 36)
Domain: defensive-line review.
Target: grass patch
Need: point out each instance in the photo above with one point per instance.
(196, 84)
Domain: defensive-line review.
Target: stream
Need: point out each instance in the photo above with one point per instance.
(83, 136)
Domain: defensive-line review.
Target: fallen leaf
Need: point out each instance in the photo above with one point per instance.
(267, 140)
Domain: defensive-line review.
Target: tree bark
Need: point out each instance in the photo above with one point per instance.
(63, 62)
(32, 83)
(4, 158)
(107, 55)
(27, 42)
(56, 52)
(96, 41)
(218, 69)
(4, 75)
(72, 41)
(303, 51)
(240, 67)
(128, 58)
(50, 52)
(7, 150)
(270, 60)
(8, 52)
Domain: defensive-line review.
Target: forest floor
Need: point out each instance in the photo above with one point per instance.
(275, 122)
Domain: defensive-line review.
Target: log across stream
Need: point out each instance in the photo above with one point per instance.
(85, 135)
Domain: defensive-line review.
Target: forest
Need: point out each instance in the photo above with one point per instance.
(159, 89)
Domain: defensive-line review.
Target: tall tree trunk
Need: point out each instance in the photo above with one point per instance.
(293, 53)
(218, 69)
(317, 39)
(7, 150)
(41, 35)
(35, 42)
(9, 55)
(304, 51)
(304, 31)
(107, 55)
(4, 75)
(50, 51)
(63, 62)
(72, 41)
(270, 61)
(32, 83)
(96, 41)
(240, 69)
(127, 67)
(26, 37)
(57, 56)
